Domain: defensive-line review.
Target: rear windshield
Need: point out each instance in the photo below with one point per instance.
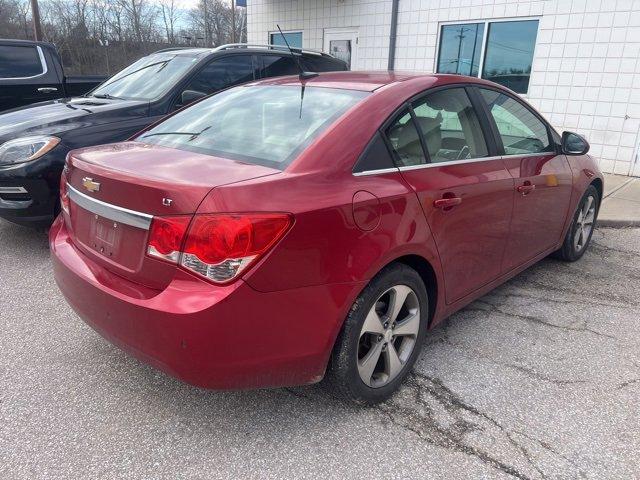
(264, 125)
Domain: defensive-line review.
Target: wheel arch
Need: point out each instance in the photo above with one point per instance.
(428, 275)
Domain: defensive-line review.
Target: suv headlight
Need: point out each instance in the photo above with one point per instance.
(24, 149)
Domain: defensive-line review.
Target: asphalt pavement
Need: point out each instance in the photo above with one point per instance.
(538, 379)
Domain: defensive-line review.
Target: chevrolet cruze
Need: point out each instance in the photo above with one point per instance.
(299, 228)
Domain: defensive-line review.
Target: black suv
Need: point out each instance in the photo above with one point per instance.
(35, 140)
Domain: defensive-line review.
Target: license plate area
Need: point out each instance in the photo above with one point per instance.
(106, 236)
(113, 243)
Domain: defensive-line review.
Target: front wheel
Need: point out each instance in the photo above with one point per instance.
(581, 229)
(382, 336)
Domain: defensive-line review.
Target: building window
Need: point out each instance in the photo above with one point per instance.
(506, 58)
(460, 48)
(294, 39)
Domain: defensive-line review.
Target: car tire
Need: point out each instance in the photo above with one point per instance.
(397, 341)
(579, 234)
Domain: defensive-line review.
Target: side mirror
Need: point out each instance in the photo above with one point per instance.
(189, 96)
(574, 144)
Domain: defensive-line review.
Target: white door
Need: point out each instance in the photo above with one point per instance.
(342, 43)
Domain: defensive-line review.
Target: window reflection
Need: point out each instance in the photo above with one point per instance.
(506, 58)
(460, 48)
(509, 53)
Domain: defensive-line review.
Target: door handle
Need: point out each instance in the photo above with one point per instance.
(446, 203)
(526, 188)
(47, 89)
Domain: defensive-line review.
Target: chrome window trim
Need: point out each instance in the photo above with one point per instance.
(13, 190)
(112, 212)
(376, 172)
(43, 63)
(449, 162)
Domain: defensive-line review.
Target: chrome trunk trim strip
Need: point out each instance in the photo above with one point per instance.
(112, 212)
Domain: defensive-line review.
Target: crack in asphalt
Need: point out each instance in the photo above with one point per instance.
(533, 319)
(419, 418)
(547, 446)
(626, 302)
(530, 372)
(537, 299)
(627, 383)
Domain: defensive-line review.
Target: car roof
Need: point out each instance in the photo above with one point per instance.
(369, 81)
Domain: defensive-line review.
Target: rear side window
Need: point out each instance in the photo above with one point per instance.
(520, 130)
(263, 125)
(19, 61)
(276, 66)
(405, 141)
(323, 64)
(374, 157)
(222, 73)
(450, 126)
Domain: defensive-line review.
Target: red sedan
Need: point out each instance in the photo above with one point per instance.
(290, 229)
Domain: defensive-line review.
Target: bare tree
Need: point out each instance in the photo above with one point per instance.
(103, 36)
(170, 16)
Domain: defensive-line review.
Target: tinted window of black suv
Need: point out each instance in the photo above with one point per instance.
(19, 62)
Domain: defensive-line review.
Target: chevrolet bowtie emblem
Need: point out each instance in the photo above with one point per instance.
(90, 185)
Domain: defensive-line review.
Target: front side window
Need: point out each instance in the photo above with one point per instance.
(520, 130)
(293, 38)
(222, 73)
(148, 78)
(19, 62)
(450, 126)
(405, 141)
(507, 56)
(262, 125)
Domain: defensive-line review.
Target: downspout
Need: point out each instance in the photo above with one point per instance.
(392, 34)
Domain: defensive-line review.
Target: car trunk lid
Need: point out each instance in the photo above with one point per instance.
(116, 190)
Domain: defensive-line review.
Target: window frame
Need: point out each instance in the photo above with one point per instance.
(490, 131)
(479, 109)
(483, 48)
(277, 32)
(43, 63)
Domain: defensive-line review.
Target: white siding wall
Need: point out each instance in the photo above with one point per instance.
(372, 19)
(586, 68)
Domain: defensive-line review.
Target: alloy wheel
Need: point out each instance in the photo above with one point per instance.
(584, 223)
(388, 336)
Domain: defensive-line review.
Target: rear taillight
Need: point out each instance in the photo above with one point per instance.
(166, 235)
(64, 194)
(216, 246)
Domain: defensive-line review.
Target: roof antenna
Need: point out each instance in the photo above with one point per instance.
(304, 75)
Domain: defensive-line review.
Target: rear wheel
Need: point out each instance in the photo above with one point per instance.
(581, 229)
(382, 336)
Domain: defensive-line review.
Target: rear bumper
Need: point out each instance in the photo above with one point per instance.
(230, 337)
